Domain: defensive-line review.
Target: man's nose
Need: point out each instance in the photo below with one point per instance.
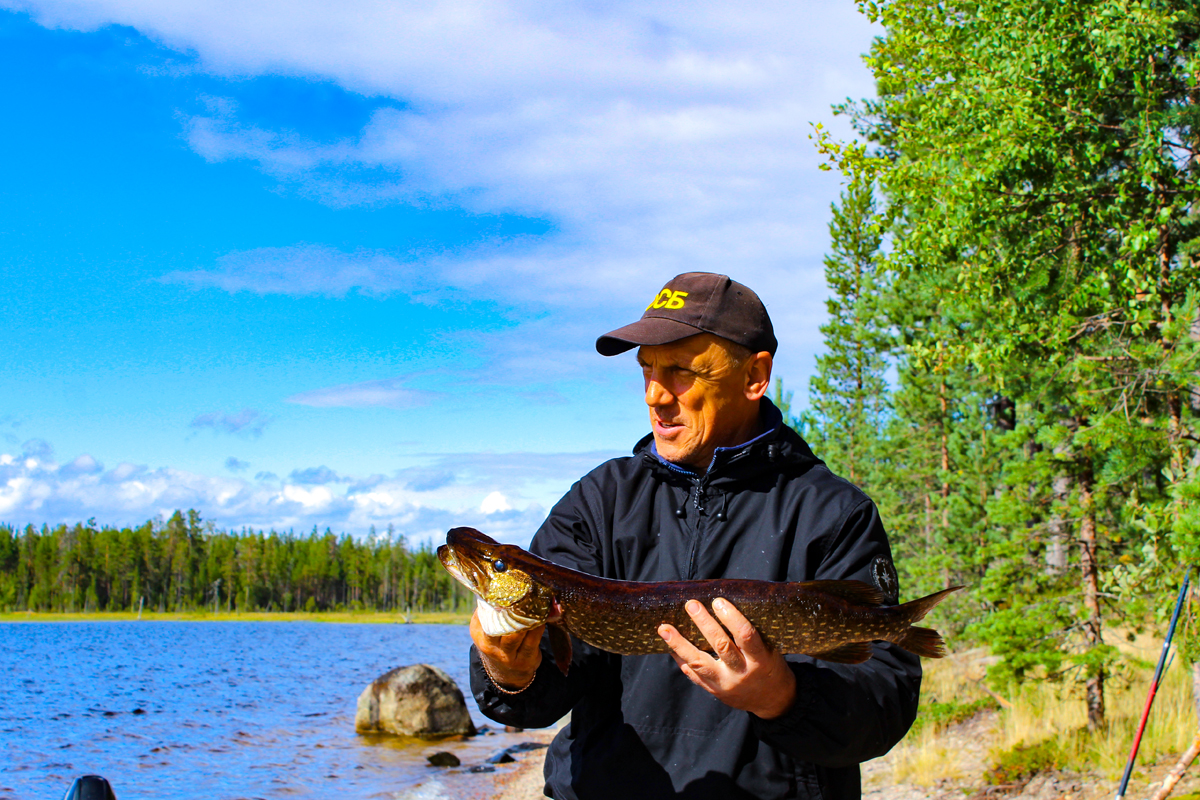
(657, 394)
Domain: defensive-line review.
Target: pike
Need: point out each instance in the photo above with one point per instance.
(833, 621)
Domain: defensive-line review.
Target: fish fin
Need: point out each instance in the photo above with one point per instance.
(852, 653)
(560, 645)
(858, 592)
(917, 609)
(924, 642)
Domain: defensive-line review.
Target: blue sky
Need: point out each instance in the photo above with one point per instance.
(299, 264)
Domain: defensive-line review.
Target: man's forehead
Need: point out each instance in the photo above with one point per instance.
(699, 348)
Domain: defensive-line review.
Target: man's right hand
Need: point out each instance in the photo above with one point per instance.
(513, 658)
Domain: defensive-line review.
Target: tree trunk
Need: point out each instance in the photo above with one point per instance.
(1090, 573)
(945, 442)
(1056, 548)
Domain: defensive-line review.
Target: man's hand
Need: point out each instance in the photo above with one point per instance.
(744, 674)
(512, 658)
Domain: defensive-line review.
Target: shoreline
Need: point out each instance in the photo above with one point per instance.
(360, 617)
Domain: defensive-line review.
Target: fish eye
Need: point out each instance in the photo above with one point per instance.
(499, 565)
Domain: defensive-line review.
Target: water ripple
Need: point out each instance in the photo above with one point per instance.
(229, 710)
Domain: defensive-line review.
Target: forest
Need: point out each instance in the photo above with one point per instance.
(184, 564)
(1011, 348)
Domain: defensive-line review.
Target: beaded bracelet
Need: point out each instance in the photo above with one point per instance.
(496, 683)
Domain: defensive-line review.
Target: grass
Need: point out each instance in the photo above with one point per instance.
(951, 692)
(1046, 726)
(371, 617)
(1046, 711)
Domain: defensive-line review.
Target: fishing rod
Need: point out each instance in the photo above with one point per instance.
(1162, 660)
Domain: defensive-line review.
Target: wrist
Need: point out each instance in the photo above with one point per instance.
(780, 701)
(507, 680)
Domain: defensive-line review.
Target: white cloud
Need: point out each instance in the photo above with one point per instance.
(305, 270)
(494, 503)
(247, 423)
(656, 137)
(505, 494)
(315, 476)
(389, 392)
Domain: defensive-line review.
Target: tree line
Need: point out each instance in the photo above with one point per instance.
(1011, 369)
(185, 564)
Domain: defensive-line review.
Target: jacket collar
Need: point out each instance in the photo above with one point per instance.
(777, 445)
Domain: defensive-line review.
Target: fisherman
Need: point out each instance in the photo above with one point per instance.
(720, 488)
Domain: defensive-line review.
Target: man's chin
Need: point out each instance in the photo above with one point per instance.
(676, 454)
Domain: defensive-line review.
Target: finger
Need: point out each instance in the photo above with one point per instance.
(479, 636)
(749, 644)
(684, 652)
(692, 674)
(532, 641)
(716, 635)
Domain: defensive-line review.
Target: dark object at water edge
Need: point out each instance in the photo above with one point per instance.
(482, 768)
(90, 787)
(505, 756)
(443, 759)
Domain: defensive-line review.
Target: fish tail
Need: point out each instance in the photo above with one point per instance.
(915, 610)
(924, 642)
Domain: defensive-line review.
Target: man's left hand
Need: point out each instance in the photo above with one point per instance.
(743, 673)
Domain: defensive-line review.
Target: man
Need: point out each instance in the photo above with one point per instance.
(721, 488)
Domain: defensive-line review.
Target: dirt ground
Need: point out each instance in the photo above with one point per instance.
(969, 742)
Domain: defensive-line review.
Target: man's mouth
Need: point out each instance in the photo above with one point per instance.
(662, 426)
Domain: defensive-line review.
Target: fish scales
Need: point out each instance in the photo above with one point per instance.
(831, 620)
(788, 616)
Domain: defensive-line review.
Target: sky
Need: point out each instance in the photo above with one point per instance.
(342, 265)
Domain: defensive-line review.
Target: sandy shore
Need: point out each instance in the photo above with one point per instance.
(524, 780)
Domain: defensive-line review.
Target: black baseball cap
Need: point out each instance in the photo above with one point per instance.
(692, 303)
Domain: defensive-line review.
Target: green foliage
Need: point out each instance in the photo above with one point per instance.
(183, 564)
(1024, 761)
(1036, 301)
(849, 392)
(943, 715)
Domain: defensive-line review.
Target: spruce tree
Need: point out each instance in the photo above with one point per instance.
(848, 394)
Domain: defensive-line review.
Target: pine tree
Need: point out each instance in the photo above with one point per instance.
(848, 394)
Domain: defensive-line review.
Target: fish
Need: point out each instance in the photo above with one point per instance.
(830, 620)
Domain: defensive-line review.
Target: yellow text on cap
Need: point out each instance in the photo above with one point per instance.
(667, 299)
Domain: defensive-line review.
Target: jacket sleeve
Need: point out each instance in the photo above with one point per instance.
(848, 713)
(567, 537)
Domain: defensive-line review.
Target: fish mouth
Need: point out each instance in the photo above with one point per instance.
(464, 570)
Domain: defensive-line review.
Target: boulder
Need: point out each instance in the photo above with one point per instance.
(418, 700)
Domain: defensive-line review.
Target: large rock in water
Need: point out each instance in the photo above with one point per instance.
(419, 700)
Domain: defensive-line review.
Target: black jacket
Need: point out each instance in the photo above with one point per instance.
(768, 510)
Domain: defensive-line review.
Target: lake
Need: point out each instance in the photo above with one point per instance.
(218, 710)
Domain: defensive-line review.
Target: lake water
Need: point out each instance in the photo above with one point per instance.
(219, 710)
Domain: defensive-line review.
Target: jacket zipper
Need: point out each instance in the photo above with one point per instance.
(698, 490)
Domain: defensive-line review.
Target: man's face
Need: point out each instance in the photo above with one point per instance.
(700, 398)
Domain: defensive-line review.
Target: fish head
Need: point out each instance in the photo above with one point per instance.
(492, 571)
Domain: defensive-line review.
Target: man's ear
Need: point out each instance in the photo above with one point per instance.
(758, 375)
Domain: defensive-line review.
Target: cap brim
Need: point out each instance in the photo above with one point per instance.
(650, 330)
